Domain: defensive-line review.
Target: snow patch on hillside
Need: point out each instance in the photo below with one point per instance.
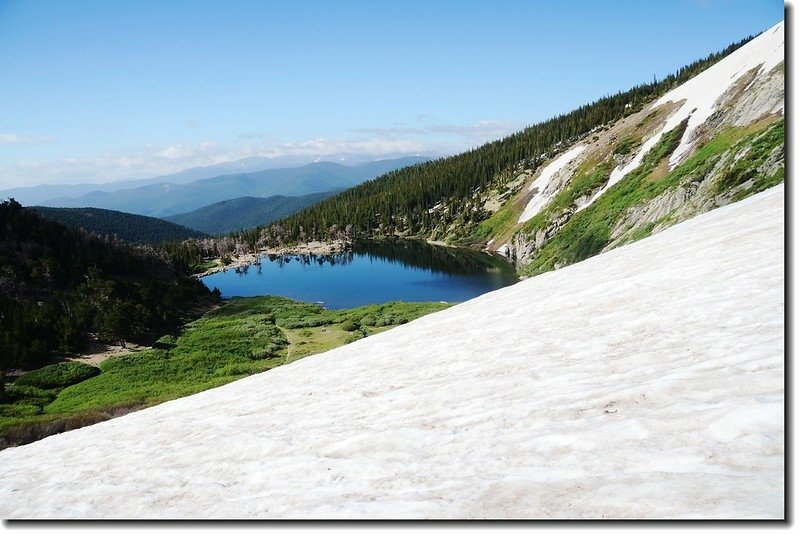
(543, 194)
(646, 382)
(701, 94)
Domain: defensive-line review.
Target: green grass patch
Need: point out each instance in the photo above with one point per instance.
(625, 145)
(590, 176)
(760, 149)
(58, 375)
(589, 231)
(305, 342)
(498, 223)
(642, 232)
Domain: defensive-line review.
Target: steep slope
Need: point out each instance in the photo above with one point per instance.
(244, 212)
(607, 173)
(130, 227)
(166, 199)
(717, 138)
(646, 382)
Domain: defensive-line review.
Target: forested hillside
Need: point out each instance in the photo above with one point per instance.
(58, 285)
(646, 157)
(130, 227)
(426, 199)
(244, 212)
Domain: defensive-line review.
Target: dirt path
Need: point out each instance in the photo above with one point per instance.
(98, 352)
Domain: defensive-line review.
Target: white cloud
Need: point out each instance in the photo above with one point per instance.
(154, 160)
(326, 146)
(482, 130)
(10, 138)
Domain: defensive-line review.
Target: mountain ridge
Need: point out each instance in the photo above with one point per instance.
(245, 212)
(161, 200)
(31, 195)
(132, 228)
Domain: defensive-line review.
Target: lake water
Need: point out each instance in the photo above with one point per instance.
(401, 270)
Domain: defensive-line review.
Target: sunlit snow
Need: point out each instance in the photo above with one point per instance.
(542, 194)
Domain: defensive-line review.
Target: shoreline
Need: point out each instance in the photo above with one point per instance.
(315, 247)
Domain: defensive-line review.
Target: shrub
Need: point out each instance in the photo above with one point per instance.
(349, 326)
(387, 320)
(29, 395)
(59, 375)
(357, 335)
(165, 342)
(267, 352)
(625, 146)
(19, 410)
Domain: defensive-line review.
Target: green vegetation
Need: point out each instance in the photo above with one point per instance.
(57, 285)
(441, 199)
(130, 227)
(497, 224)
(424, 199)
(589, 231)
(589, 177)
(625, 146)
(642, 232)
(245, 212)
(242, 337)
(59, 375)
(759, 150)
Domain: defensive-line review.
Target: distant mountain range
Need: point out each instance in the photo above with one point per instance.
(130, 227)
(166, 199)
(43, 194)
(245, 212)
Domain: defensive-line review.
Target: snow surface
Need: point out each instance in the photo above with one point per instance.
(646, 382)
(701, 93)
(542, 197)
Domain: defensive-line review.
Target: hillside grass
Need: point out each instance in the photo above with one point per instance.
(589, 177)
(500, 225)
(242, 337)
(589, 231)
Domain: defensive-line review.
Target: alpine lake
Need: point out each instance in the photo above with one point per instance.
(370, 273)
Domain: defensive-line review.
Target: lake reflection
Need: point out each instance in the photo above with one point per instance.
(372, 272)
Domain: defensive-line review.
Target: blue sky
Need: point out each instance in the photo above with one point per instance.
(99, 91)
